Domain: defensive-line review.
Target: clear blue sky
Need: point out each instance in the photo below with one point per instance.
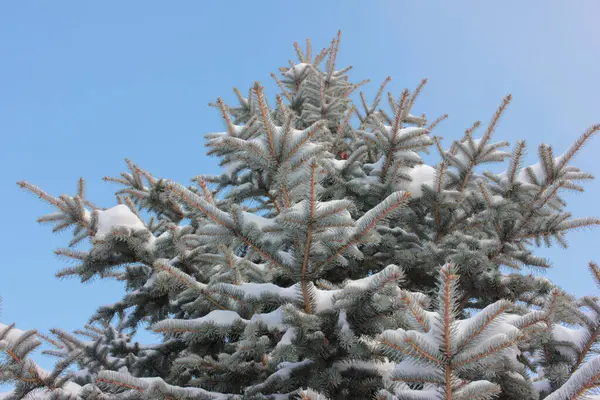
(85, 84)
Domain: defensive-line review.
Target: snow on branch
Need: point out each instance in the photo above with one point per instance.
(119, 216)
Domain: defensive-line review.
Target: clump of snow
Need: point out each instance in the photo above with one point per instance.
(563, 334)
(284, 372)
(343, 322)
(324, 299)
(12, 335)
(339, 165)
(258, 289)
(221, 317)
(307, 394)
(259, 221)
(402, 133)
(496, 199)
(297, 70)
(273, 319)
(87, 216)
(72, 388)
(362, 283)
(285, 369)
(538, 171)
(542, 386)
(408, 155)
(117, 216)
(287, 338)
(421, 174)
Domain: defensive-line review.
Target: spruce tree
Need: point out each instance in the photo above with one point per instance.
(327, 261)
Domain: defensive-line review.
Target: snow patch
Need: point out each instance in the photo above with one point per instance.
(343, 322)
(297, 70)
(221, 317)
(421, 174)
(13, 335)
(274, 319)
(339, 165)
(117, 216)
(258, 289)
(324, 299)
(287, 338)
(563, 334)
(542, 386)
(260, 222)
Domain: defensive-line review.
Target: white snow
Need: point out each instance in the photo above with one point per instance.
(496, 199)
(515, 375)
(502, 328)
(87, 215)
(337, 164)
(404, 131)
(408, 155)
(274, 319)
(285, 369)
(260, 222)
(71, 388)
(287, 337)
(563, 334)
(220, 317)
(362, 283)
(117, 216)
(343, 322)
(297, 70)
(421, 174)
(308, 394)
(261, 266)
(537, 169)
(411, 368)
(542, 386)
(324, 299)
(12, 335)
(257, 289)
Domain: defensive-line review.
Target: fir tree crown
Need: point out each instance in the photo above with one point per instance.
(326, 261)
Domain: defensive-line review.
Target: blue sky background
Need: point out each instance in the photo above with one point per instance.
(85, 84)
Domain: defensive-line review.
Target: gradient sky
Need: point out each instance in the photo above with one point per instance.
(85, 84)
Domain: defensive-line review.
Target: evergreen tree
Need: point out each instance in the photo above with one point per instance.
(327, 261)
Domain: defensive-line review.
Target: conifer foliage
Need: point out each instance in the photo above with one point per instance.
(327, 261)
